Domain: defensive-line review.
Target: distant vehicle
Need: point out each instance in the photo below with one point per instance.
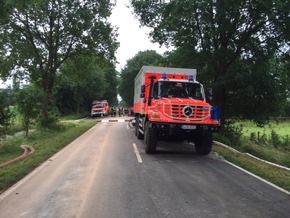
(100, 108)
(170, 104)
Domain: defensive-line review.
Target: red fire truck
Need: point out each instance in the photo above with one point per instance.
(100, 108)
(169, 104)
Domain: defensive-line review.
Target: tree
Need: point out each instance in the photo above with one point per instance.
(257, 89)
(81, 80)
(27, 101)
(130, 71)
(112, 83)
(5, 113)
(222, 32)
(4, 9)
(40, 35)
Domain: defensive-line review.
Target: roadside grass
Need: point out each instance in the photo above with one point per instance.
(45, 143)
(271, 144)
(75, 116)
(265, 152)
(8, 152)
(273, 174)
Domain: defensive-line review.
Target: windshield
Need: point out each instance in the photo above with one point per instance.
(173, 89)
(98, 106)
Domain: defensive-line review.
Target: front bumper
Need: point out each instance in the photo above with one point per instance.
(186, 127)
(97, 113)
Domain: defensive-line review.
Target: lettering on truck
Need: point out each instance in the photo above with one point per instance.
(170, 104)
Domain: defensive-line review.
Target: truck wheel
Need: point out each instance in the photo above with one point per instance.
(150, 139)
(137, 132)
(203, 145)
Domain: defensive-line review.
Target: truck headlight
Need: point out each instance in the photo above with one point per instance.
(155, 116)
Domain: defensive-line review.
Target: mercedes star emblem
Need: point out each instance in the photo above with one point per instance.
(187, 111)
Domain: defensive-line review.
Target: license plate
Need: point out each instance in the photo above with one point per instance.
(188, 127)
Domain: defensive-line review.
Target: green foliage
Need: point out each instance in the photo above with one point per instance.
(5, 114)
(269, 143)
(130, 71)
(27, 101)
(39, 36)
(233, 132)
(287, 109)
(274, 140)
(274, 135)
(220, 34)
(3, 9)
(72, 117)
(75, 93)
(256, 89)
(111, 91)
(220, 27)
(82, 79)
(51, 122)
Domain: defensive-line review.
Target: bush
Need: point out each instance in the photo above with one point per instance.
(5, 114)
(233, 132)
(274, 140)
(287, 109)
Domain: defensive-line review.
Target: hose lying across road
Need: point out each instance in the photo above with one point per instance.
(131, 123)
(26, 149)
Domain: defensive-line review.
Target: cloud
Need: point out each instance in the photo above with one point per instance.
(132, 37)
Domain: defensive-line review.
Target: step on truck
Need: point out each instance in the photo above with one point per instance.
(99, 108)
(169, 104)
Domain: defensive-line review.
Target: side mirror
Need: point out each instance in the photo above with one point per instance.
(142, 88)
(209, 93)
(142, 94)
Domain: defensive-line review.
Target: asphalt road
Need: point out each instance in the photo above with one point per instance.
(105, 173)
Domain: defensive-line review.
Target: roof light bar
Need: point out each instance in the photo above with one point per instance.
(163, 76)
(191, 78)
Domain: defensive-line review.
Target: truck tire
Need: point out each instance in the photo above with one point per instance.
(138, 134)
(203, 145)
(150, 138)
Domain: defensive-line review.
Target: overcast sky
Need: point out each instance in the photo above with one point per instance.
(132, 38)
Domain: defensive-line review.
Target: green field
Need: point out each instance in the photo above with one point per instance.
(281, 128)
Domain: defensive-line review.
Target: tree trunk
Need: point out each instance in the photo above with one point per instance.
(78, 106)
(220, 93)
(47, 86)
(44, 107)
(26, 126)
(220, 100)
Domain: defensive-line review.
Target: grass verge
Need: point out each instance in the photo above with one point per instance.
(45, 144)
(275, 175)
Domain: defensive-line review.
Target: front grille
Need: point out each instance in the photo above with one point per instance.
(176, 112)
